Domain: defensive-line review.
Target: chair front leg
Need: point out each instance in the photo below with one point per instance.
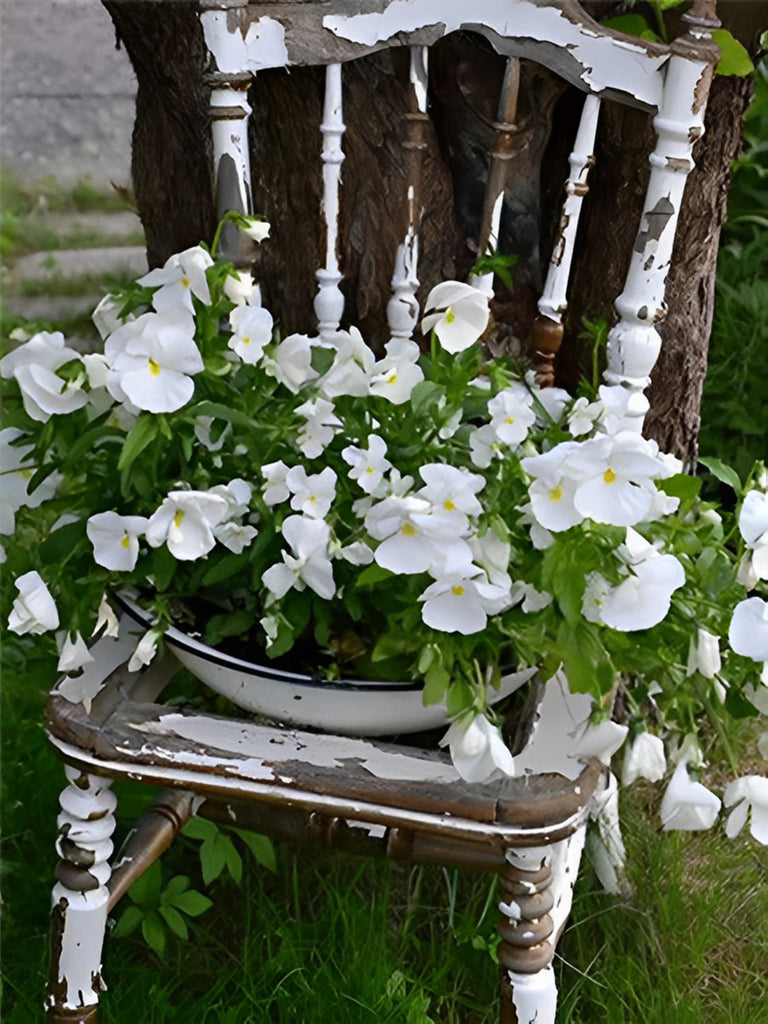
(80, 898)
(536, 894)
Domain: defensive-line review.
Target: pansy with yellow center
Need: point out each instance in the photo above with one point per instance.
(462, 317)
(115, 539)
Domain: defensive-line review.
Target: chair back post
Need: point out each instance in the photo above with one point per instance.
(634, 342)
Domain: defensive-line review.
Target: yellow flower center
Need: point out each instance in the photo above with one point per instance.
(448, 505)
(369, 469)
(556, 493)
(609, 476)
(185, 282)
(392, 378)
(457, 590)
(408, 530)
(246, 341)
(126, 541)
(154, 368)
(313, 498)
(178, 515)
(450, 316)
(26, 474)
(510, 420)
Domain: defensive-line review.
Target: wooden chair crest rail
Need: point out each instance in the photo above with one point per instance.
(363, 795)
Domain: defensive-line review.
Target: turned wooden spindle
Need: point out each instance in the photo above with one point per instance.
(402, 308)
(546, 338)
(329, 301)
(80, 898)
(504, 130)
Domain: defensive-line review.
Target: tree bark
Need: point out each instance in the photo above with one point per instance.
(172, 183)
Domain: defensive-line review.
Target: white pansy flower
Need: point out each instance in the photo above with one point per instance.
(615, 400)
(270, 626)
(319, 428)
(396, 375)
(115, 539)
(456, 603)
(96, 369)
(642, 600)
(553, 502)
(644, 760)
(553, 401)
(413, 540)
(181, 277)
(748, 632)
(582, 416)
(463, 315)
(45, 394)
(745, 795)
(704, 654)
(451, 492)
(204, 432)
(484, 446)
(185, 522)
(252, 330)
(73, 654)
(307, 564)
(753, 526)
(687, 806)
(512, 414)
(533, 600)
(477, 749)
(145, 650)
(34, 610)
(14, 480)
(152, 361)
(292, 362)
(106, 620)
(356, 553)
(492, 553)
(615, 478)
(352, 364)
(600, 740)
(274, 474)
(43, 349)
(235, 536)
(106, 317)
(311, 494)
(241, 289)
(256, 228)
(368, 464)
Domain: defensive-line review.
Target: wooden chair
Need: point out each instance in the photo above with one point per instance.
(362, 795)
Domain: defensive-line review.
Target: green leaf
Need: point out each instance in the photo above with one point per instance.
(734, 58)
(223, 569)
(228, 624)
(221, 412)
(681, 486)
(436, 680)
(233, 858)
(261, 847)
(154, 933)
(193, 903)
(723, 473)
(213, 860)
(175, 921)
(372, 575)
(128, 922)
(163, 567)
(200, 828)
(145, 891)
(737, 705)
(142, 433)
(425, 394)
(178, 884)
(632, 25)
(61, 542)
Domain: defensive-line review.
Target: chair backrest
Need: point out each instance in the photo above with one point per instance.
(669, 81)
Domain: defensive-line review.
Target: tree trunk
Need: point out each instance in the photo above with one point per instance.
(171, 172)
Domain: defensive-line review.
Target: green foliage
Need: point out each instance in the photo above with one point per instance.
(218, 852)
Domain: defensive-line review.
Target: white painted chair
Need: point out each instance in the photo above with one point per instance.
(361, 794)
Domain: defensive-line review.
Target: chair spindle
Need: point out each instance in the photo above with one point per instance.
(329, 301)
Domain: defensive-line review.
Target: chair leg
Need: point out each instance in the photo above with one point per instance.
(528, 990)
(80, 899)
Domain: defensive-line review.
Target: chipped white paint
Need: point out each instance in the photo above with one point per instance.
(86, 820)
(484, 282)
(553, 301)
(534, 996)
(634, 342)
(554, 739)
(566, 857)
(247, 742)
(263, 45)
(511, 910)
(529, 858)
(418, 76)
(329, 302)
(230, 140)
(343, 807)
(606, 61)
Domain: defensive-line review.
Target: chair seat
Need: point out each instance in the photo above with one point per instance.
(370, 781)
